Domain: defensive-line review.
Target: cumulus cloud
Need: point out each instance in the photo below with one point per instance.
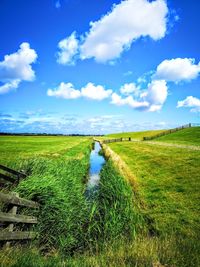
(178, 69)
(115, 31)
(64, 90)
(190, 102)
(91, 91)
(151, 99)
(128, 21)
(95, 92)
(68, 50)
(17, 67)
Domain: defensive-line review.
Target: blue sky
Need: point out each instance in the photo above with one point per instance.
(73, 66)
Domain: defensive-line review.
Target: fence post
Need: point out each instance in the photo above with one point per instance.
(129, 139)
(13, 211)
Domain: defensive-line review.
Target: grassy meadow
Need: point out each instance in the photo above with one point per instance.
(149, 221)
(13, 148)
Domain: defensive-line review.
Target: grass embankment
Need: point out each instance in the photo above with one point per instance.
(134, 135)
(189, 136)
(168, 183)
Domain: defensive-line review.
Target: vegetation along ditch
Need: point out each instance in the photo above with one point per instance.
(68, 221)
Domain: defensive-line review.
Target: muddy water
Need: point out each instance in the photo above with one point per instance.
(96, 163)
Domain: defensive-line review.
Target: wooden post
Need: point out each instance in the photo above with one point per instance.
(13, 211)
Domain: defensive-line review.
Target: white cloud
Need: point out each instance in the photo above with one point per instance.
(151, 99)
(91, 91)
(119, 101)
(190, 102)
(64, 90)
(68, 50)
(177, 69)
(9, 86)
(17, 67)
(129, 88)
(156, 94)
(128, 21)
(95, 92)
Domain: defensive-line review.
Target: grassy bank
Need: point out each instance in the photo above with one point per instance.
(57, 183)
(134, 135)
(189, 136)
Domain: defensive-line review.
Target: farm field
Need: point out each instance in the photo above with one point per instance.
(154, 222)
(189, 136)
(13, 148)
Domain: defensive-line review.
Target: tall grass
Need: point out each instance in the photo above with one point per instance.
(116, 214)
(58, 187)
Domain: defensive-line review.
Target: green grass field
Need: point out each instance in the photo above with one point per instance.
(134, 135)
(156, 222)
(24, 147)
(189, 136)
(168, 183)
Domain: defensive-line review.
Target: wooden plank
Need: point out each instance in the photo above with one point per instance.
(10, 198)
(12, 211)
(6, 235)
(12, 171)
(17, 218)
(7, 178)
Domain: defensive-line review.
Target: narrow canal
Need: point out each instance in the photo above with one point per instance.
(96, 163)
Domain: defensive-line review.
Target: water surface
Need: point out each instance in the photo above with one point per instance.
(96, 163)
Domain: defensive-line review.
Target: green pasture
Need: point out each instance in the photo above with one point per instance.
(168, 181)
(13, 148)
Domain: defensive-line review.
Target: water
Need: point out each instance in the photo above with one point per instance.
(96, 163)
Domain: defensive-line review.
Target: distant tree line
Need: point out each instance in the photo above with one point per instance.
(46, 134)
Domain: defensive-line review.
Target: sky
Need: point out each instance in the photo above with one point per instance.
(98, 67)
